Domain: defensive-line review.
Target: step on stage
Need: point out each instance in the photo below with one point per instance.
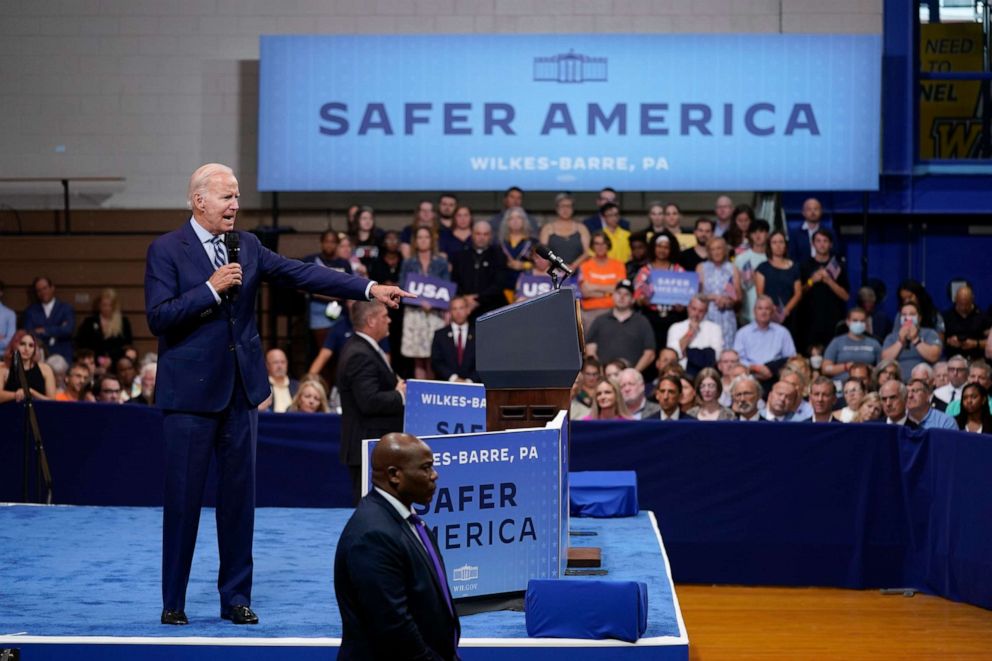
(82, 583)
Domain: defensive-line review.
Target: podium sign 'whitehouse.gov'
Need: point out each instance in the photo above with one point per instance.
(576, 112)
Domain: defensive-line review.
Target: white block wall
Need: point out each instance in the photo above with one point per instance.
(150, 89)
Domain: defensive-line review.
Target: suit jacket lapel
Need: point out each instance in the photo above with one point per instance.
(195, 253)
(376, 353)
(413, 539)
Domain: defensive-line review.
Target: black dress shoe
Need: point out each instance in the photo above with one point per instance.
(240, 614)
(174, 617)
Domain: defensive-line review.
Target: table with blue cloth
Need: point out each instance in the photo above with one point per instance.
(603, 494)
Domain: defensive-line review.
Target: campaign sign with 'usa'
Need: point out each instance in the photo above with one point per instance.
(434, 291)
(531, 286)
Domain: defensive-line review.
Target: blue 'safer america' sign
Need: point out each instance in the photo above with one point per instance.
(654, 112)
(500, 511)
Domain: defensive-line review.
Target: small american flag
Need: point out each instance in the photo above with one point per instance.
(833, 268)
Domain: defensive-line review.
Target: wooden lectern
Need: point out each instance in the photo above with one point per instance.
(528, 355)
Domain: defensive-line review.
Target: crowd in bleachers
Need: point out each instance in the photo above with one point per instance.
(774, 332)
(95, 361)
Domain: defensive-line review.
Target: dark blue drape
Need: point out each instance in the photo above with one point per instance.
(748, 503)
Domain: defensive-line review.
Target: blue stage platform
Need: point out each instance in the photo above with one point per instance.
(851, 506)
(83, 583)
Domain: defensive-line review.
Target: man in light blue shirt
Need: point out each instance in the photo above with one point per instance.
(763, 345)
(918, 407)
(8, 323)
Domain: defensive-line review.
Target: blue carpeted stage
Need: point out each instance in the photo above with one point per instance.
(83, 583)
(854, 506)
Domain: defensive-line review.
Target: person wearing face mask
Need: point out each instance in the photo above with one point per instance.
(854, 346)
(910, 344)
(816, 360)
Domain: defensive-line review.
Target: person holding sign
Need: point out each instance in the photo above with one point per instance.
(389, 578)
(420, 319)
(665, 257)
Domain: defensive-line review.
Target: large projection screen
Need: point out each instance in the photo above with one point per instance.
(557, 112)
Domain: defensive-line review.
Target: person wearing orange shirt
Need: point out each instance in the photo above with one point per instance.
(598, 278)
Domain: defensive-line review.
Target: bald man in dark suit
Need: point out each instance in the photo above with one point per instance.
(389, 579)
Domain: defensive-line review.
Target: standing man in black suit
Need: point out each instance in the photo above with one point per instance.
(389, 578)
(479, 272)
(801, 238)
(372, 396)
(453, 348)
(211, 378)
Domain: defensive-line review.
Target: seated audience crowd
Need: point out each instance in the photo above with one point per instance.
(772, 330)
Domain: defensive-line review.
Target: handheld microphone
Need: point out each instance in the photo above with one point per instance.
(556, 261)
(233, 244)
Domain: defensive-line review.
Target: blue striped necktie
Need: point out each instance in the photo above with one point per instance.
(220, 257)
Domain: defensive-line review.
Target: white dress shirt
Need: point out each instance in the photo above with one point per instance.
(948, 393)
(709, 337)
(403, 511)
(462, 332)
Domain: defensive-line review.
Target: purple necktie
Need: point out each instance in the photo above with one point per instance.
(418, 525)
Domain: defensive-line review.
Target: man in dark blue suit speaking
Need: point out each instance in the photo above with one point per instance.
(389, 579)
(211, 378)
